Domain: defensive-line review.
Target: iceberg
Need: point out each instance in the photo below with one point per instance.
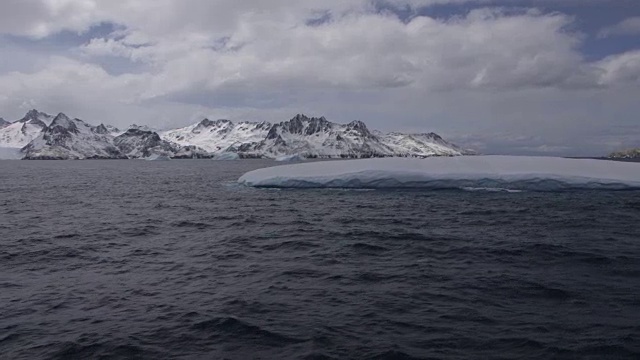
(462, 172)
(227, 156)
(157, 157)
(10, 153)
(290, 158)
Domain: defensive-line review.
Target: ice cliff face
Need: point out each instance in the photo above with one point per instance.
(41, 136)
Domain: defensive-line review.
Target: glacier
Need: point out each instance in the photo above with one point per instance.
(461, 172)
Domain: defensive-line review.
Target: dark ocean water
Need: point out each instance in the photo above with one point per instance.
(154, 260)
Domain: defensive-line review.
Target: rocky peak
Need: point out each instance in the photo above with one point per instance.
(145, 134)
(433, 135)
(300, 125)
(100, 129)
(32, 114)
(140, 143)
(34, 117)
(141, 127)
(360, 128)
(206, 123)
(3, 123)
(62, 124)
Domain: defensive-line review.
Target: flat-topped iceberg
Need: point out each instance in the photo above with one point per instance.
(506, 172)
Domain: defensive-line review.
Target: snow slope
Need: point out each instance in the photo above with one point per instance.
(420, 145)
(507, 172)
(20, 133)
(217, 136)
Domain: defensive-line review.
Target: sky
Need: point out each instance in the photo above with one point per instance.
(541, 77)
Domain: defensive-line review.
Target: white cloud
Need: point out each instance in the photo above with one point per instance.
(486, 49)
(479, 72)
(620, 68)
(629, 26)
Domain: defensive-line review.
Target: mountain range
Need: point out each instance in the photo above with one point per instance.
(41, 136)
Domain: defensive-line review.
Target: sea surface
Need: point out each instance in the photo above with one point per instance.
(174, 260)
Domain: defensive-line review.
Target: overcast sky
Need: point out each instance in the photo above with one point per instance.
(501, 76)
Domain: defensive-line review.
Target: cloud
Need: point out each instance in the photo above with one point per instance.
(629, 26)
(620, 68)
(479, 71)
(485, 49)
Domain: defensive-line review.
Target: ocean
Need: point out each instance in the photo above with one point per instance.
(174, 260)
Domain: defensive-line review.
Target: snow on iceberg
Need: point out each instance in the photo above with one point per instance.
(504, 172)
(290, 158)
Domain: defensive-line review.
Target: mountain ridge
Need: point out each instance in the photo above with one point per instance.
(62, 137)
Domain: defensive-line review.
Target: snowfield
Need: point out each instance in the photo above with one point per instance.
(463, 172)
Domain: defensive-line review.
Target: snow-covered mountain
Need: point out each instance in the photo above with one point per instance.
(217, 136)
(310, 137)
(420, 145)
(67, 138)
(135, 143)
(21, 132)
(4, 123)
(41, 136)
(316, 137)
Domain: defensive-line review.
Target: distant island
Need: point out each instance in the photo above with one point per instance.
(629, 154)
(40, 136)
